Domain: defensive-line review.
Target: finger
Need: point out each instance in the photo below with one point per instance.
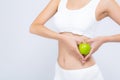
(76, 52)
(90, 40)
(81, 41)
(89, 54)
(80, 55)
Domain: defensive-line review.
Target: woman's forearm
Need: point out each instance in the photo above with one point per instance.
(112, 38)
(43, 31)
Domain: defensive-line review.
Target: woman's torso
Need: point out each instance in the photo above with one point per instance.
(67, 22)
(67, 60)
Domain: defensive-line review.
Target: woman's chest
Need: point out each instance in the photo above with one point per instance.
(79, 20)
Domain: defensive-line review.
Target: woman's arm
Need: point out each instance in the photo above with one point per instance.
(112, 38)
(113, 11)
(38, 28)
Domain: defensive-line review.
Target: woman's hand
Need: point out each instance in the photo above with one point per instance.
(71, 42)
(95, 44)
(80, 38)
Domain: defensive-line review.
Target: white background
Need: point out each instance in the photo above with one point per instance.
(24, 56)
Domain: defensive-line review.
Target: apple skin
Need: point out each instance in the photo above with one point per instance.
(84, 48)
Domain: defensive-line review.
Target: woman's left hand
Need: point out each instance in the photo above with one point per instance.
(95, 44)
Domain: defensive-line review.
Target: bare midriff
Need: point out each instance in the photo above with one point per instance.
(68, 61)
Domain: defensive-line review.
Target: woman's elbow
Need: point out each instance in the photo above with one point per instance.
(34, 28)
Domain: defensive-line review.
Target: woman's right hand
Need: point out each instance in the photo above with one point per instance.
(71, 42)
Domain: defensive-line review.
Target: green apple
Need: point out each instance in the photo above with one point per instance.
(84, 48)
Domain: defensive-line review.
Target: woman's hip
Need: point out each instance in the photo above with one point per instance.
(90, 73)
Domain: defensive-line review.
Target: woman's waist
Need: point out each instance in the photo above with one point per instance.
(68, 60)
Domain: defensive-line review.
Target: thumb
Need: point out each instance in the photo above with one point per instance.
(91, 51)
(79, 54)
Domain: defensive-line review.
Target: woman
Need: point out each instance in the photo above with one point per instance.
(74, 19)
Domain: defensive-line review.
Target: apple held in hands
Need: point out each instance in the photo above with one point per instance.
(84, 48)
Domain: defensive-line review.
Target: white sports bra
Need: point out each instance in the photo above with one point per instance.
(78, 21)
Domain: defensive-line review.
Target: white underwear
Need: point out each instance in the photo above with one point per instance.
(90, 73)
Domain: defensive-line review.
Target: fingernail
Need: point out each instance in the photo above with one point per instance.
(83, 61)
